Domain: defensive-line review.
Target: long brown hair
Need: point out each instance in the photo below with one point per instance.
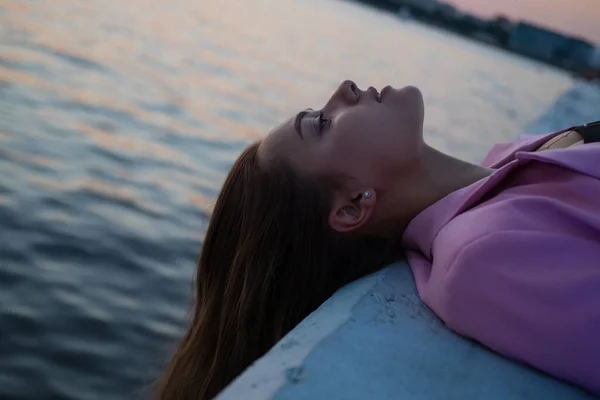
(269, 259)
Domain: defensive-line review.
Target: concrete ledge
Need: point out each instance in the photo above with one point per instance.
(374, 339)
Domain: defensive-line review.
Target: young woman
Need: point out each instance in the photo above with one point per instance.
(507, 253)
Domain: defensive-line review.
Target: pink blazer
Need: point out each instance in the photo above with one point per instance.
(513, 260)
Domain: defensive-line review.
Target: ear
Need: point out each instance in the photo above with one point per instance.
(351, 210)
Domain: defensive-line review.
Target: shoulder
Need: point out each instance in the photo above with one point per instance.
(530, 295)
(513, 261)
(480, 229)
(520, 272)
(533, 249)
(528, 214)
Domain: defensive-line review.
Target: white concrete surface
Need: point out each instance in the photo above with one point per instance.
(374, 339)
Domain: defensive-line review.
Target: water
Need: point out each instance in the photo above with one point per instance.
(118, 123)
(578, 105)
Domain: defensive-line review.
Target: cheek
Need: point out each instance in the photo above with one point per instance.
(372, 138)
(367, 144)
(348, 157)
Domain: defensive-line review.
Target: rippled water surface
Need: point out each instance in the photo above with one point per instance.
(118, 122)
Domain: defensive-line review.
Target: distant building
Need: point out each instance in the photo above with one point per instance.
(503, 23)
(534, 41)
(595, 58)
(550, 46)
(577, 54)
(447, 10)
(424, 6)
(473, 20)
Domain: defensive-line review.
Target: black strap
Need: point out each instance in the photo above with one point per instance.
(590, 132)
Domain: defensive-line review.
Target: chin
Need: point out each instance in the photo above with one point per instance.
(408, 99)
(412, 91)
(407, 93)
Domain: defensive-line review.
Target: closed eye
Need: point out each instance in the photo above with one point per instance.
(323, 122)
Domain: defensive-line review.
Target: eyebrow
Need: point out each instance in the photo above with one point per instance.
(298, 122)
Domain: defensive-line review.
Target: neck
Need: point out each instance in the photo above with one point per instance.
(442, 174)
(438, 175)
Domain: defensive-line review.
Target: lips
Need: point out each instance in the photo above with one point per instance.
(375, 93)
(385, 90)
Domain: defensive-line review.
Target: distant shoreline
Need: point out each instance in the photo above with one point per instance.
(571, 54)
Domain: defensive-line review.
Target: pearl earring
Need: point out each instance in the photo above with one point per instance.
(367, 194)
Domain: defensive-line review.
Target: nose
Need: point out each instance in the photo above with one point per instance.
(346, 94)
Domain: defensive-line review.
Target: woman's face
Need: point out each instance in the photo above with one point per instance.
(360, 135)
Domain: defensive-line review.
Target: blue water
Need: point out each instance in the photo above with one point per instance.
(118, 123)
